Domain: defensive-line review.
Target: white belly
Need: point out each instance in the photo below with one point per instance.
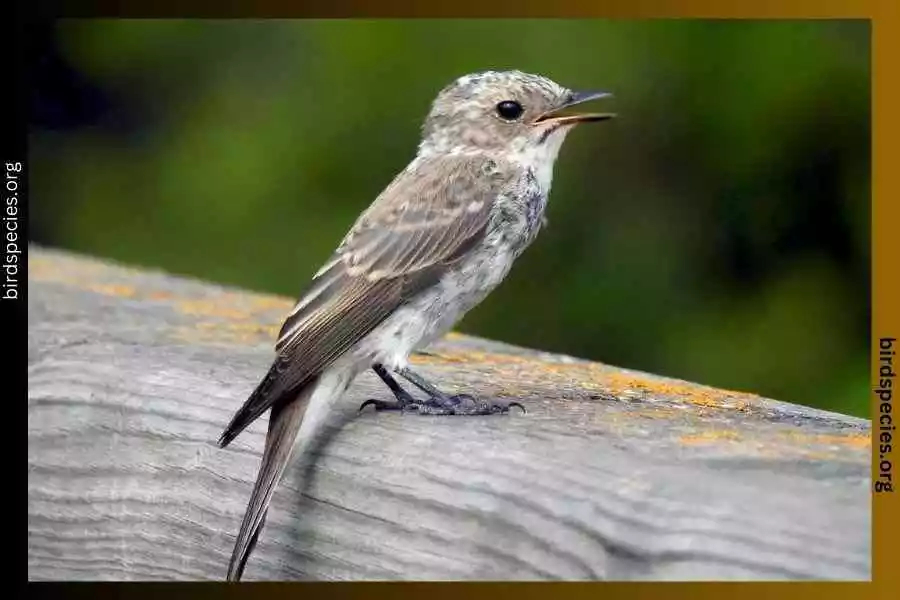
(434, 312)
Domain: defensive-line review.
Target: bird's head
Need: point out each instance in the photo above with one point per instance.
(504, 111)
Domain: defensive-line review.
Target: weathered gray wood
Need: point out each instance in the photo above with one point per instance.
(613, 474)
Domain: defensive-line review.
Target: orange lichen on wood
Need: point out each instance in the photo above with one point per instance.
(854, 440)
(594, 377)
(44, 269)
(783, 443)
(229, 305)
(124, 291)
(694, 394)
(159, 295)
(103, 279)
(711, 436)
(207, 308)
(226, 333)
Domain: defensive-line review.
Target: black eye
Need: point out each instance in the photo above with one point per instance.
(510, 110)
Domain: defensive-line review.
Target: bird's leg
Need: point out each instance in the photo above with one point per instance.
(424, 385)
(404, 398)
(439, 403)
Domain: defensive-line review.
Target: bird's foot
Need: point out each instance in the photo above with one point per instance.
(460, 404)
(466, 405)
(437, 403)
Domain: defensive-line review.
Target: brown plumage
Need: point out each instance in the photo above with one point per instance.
(441, 236)
(423, 222)
(420, 225)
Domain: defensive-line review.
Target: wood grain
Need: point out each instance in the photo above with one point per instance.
(612, 474)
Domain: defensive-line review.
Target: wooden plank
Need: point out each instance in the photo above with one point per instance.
(612, 474)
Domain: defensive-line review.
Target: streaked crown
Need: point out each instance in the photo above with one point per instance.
(490, 110)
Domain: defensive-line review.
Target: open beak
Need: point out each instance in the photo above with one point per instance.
(561, 115)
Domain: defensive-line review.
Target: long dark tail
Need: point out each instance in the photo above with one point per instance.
(284, 423)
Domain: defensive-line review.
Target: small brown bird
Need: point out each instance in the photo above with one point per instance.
(432, 245)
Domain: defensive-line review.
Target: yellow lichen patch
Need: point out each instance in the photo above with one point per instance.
(814, 455)
(85, 275)
(709, 437)
(593, 377)
(697, 395)
(209, 309)
(854, 440)
(267, 303)
(225, 333)
(252, 302)
(125, 291)
(229, 305)
(39, 267)
(52, 272)
(653, 412)
(98, 277)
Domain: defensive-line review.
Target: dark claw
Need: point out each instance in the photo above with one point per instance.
(511, 404)
(371, 401)
(379, 405)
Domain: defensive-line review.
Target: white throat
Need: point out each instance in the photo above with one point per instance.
(540, 158)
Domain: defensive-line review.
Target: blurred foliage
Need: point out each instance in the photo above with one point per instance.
(718, 231)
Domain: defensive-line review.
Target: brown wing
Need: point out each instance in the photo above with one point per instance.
(425, 220)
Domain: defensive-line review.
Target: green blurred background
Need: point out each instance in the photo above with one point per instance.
(718, 231)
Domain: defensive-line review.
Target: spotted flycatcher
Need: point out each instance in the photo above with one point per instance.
(432, 245)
